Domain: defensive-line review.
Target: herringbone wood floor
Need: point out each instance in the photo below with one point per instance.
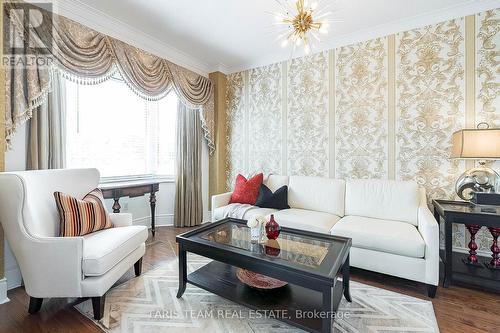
(457, 309)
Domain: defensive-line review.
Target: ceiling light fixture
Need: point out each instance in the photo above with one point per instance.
(303, 20)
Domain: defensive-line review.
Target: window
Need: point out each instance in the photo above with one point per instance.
(110, 128)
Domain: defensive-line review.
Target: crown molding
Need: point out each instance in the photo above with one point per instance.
(104, 23)
(393, 27)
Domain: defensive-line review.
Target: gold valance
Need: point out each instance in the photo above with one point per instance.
(90, 57)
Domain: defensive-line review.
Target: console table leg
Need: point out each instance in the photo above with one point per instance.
(182, 272)
(495, 261)
(327, 321)
(473, 229)
(152, 203)
(345, 279)
(116, 205)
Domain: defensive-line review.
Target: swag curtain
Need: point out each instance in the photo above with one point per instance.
(89, 57)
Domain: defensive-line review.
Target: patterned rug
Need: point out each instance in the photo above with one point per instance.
(149, 304)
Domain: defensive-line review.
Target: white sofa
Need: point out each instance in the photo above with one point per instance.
(53, 266)
(392, 230)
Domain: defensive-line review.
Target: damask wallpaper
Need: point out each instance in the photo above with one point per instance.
(361, 113)
(307, 116)
(383, 108)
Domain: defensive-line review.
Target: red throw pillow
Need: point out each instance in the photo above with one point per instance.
(247, 191)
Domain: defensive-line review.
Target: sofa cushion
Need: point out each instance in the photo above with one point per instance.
(306, 220)
(382, 199)
(102, 250)
(246, 191)
(274, 182)
(388, 236)
(318, 194)
(269, 199)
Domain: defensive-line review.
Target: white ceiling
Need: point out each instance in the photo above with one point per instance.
(231, 35)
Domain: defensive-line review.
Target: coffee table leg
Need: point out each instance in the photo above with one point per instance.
(345, 279)
(328, 310)
(182, 272)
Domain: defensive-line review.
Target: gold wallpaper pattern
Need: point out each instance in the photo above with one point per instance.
(361, 110)
(488, 67)
(235, 127)
(264, 119)
(307, 118)
(430, 105)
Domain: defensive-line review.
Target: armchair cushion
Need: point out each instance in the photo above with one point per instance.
(104, 249)
(81, 217)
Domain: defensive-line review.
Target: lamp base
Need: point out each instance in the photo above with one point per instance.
(480, 179)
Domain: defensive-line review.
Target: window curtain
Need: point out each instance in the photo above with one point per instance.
(87, 56)
(47, 130)
(188, 183)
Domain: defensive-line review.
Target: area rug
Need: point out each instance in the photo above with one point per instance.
(148, 304)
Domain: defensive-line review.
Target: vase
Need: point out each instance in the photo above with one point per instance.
(272, 228)
(255, 234)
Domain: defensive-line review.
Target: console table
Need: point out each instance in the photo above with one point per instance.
(132, 189)
(472, 268)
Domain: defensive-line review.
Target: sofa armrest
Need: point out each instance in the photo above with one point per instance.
(121, 219)
(221, 200)
(52, 266)
(429, 230)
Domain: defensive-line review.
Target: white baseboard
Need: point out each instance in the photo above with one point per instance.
(14, 278)
(3, 291)
(165, 220)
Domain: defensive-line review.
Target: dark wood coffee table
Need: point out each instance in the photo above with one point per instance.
(316, 266)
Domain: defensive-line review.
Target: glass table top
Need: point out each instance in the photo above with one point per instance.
(296, 249)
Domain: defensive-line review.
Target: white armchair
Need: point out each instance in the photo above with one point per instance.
(53, 266)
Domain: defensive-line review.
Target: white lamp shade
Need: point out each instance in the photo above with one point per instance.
(481, 144)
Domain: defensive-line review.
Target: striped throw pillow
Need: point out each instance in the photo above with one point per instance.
(81, 217)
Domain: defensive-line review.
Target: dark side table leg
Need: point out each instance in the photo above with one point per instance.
(152, 203)
(345, 279)
(448, 254)
(182, 271)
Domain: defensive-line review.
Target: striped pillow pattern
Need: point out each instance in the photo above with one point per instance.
(81, 217)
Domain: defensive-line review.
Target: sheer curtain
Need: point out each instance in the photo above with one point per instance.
(188, 182)
(47, 130)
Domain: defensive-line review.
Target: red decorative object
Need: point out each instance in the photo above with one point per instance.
(495, 261)
(246, 191)
(473, 229)
(259, 281)
(272, 248)
(272, 228)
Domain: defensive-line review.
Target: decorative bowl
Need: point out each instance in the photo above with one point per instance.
(258, 281)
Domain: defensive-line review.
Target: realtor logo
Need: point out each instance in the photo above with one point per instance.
(27, 28)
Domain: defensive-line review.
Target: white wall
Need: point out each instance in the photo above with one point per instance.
(15, 160)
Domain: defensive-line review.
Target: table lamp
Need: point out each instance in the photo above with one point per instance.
(480, 144)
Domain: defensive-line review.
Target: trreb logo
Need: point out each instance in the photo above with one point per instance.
(27, 28)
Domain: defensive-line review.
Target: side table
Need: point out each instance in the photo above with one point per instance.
(472, 268)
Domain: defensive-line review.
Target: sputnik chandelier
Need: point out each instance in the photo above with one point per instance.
(303, 22)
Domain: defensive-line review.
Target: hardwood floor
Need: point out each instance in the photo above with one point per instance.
(457, 309)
